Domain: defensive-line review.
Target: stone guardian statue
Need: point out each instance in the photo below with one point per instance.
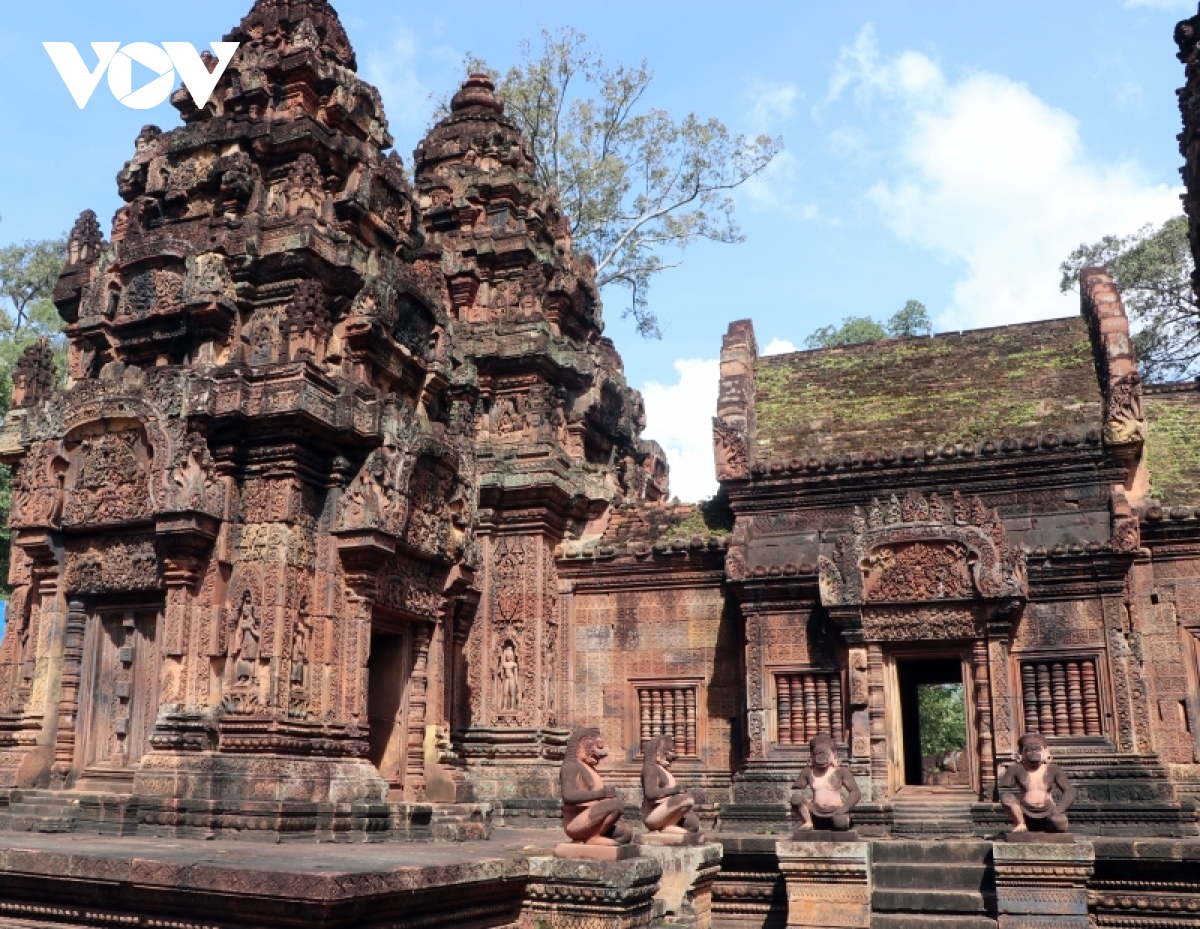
(1026, 789)
(591, 812)
(825, 780)
(666, 806)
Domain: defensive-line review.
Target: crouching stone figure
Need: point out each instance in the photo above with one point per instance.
(825, 779)
(1026, 789)
(667, 807)
(591, 812)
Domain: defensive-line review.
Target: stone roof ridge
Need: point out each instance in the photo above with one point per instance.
(913, 339)
(911, 456)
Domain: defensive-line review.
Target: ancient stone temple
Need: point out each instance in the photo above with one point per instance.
(341, 525)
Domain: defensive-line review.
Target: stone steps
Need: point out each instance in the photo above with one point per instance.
(932, 816)
(932, 883)
(40, 811)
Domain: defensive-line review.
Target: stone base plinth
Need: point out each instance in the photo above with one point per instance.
(565, 893)
(670, 838)
(825, 835)
(587, 852)
(1040, 885)
(688, 872)
(828, 884)
(1035, 838)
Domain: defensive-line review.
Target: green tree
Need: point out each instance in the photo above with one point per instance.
(943, 718)
(638, 185)
(1153, 269)
(27, 275)
(911, 320)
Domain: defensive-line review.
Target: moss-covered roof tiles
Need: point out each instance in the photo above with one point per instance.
(981, 384)
(1173, 443)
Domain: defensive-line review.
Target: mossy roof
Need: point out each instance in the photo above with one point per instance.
(1173, 443)
(1017, 380)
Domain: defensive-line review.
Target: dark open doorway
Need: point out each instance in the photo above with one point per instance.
(932, 706)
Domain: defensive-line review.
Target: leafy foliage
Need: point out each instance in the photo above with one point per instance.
(911, 320)
(943, 718)
(634, 181)
(1153, 269)
(27, 275)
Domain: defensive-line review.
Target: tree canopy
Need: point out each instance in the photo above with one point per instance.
(28, 272)
(1153, 269)
(943, 718)
(911, 320)
(637, 184)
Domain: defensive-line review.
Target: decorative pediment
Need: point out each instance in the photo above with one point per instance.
(919, 550)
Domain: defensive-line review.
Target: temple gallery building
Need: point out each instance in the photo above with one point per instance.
(342, 517)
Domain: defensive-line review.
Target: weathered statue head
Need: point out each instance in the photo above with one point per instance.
(586, 746)
(1033, 749)
(660, 750)
(822, 751)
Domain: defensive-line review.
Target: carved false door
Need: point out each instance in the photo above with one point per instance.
(120, 694)
(389, 670)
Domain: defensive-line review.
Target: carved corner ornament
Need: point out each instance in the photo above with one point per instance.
(730, 451)
(1124, 419)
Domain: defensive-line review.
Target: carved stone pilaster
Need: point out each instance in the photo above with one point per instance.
(418, 689)
(1042, 884)
(828, 883)
(756, 714)
(983, 719)
(879, 732)
(564, 893)
(68, 704)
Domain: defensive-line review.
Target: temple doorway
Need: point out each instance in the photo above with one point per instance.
(932, 732)
(388, 671)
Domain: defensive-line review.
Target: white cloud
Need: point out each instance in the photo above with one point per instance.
(679, 417)
(994, 178)
(778, 347)
(771, 104)
(392, 69)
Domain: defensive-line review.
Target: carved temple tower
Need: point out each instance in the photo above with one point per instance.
(557, 430)
(241, 525)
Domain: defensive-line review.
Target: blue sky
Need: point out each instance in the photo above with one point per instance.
(949, 152)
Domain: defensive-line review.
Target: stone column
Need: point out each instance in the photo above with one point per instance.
(418, 690)
(566, 893)
(828, 884)
(879, 733)
(983, 720)
(1042, 884)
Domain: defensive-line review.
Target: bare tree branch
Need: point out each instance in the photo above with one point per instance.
(632, 182)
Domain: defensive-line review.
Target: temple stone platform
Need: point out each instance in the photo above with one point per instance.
(514, 881)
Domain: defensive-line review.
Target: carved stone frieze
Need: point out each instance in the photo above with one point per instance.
(899, 624)
(920, 549)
